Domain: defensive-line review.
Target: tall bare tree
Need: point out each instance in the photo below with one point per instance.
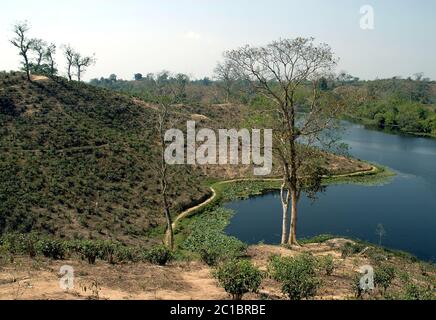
(49, 57)
(163, 169)
(285, 73)
(39, 48)
(81, 63)
(24, 44)
(69, 54)
(224, 74)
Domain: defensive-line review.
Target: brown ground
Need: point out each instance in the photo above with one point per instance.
(39, 279)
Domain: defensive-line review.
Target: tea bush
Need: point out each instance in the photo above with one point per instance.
(50, 248)
(238, 277)
(327, 264)
(159, 255)
(383, 276)
(297, 275)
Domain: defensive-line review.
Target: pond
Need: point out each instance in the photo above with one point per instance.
(406, 206)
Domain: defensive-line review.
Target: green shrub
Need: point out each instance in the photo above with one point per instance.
(125, 254)
(297, 275)
(107, 251)
(414, 291)
(20, 243)
(357, 289)
(238, 277)
(50, 248)
(90, 250)
(383, 276)
(350, 248)
(210, 255)
(327, 264)
(159, 255)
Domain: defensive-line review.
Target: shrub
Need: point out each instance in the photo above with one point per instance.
(53, 249)
(159, 255)
(383, 276)
(327, 264)
(20, 243)
(414, 291)
(107, 251)
(357, 289)
(350, 248)
(297, 275)
(238, 277)
(209, 255)
(90, 250)
(125, 254)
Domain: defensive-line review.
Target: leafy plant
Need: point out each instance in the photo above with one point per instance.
(383, 276)
(159, 255)
(297, 275)
(327, 264)
(51, 248)
(238, 277)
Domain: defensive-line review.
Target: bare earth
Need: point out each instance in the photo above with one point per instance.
(39, 279)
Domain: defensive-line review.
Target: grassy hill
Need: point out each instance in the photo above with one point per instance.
(77, 161)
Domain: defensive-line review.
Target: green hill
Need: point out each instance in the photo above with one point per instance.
(76, 161)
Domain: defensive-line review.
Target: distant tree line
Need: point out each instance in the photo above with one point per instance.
(38, 56)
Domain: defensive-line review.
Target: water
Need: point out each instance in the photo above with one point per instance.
(406, 207)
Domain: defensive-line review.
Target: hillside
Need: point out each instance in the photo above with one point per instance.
(77, 161)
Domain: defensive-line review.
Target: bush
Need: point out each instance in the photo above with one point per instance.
(327, 264)
(125, 254)
(107, 251)
(383, 276)
(20, 243)
(209, 255)
(357, 289)
(159, 255)
(297, 275)
(53, 249)
(350, 248)
(238, 277)
(90, 250)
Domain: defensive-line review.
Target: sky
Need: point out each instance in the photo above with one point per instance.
(189, 36)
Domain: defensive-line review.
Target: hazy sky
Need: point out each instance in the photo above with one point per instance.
(189, 36)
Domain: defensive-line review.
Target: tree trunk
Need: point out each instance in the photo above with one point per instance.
(78, 74)
(169, 225)
(26, 65)
(294, 215)
(285, 206)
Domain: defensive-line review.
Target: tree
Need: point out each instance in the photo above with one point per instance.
(182, 81)
(113, 77)
(39, 47)
(138, 76)
(286, 74)
(81, 63)
(165, 97)
(224, 74)
(23, 44)
(69, 54)
(49, 57)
